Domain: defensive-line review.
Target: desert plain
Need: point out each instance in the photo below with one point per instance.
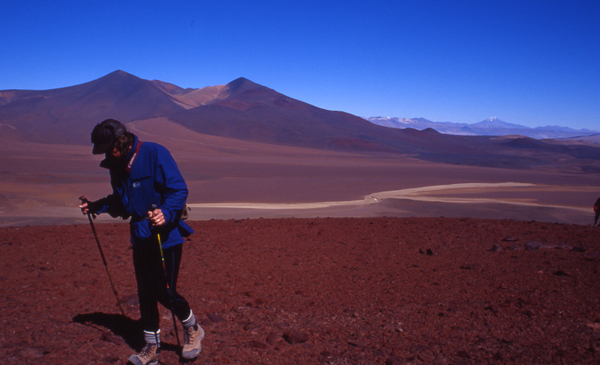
(228, 179)
(306, 256)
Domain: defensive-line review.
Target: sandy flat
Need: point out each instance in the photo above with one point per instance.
(467, 199)
(425, 193)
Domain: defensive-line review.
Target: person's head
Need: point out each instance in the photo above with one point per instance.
(112, 138)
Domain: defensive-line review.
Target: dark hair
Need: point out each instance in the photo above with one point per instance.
(124, 143)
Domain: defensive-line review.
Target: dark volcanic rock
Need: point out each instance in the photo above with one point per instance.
(294, 337)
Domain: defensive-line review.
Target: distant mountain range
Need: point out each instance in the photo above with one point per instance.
(244, 110)
(489, 127)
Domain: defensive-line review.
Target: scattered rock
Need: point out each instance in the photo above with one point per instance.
(112, 338)
(595, 326)
(471, 267)
(395, 361)
(491, 308)
(563, 246)
(495, 248)
(215, 317)
(131, 300)
(206, 322)
(521, 303)
(257, 345)
(294, 337)
(33, 352)
(273, 338)
(510, 239)
(418, 348)
(560, 273)
(533, 246)
(111, 359)
(368, 301)
(463, 354)
(354, 344)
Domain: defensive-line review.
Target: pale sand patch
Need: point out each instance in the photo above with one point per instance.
(479, 200)
(425, 194)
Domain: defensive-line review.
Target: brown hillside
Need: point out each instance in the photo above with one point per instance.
(67, 115)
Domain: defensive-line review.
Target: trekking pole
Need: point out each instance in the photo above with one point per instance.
(89, 215)
(162, 257)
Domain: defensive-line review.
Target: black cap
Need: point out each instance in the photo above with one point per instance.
(105, 134)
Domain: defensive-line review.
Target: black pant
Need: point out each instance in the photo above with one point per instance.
(152, 282)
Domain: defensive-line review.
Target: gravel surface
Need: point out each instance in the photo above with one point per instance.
(316, 291)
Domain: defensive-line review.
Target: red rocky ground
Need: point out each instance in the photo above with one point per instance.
(316, 291)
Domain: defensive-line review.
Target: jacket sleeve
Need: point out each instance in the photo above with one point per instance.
(171, 185)
(110, 204)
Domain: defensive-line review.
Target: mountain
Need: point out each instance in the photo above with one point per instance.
(67, 115)
(240, 109)
(244, 110)
(495, 123)
(488, 127)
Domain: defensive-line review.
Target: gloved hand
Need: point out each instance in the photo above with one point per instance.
(87, 207)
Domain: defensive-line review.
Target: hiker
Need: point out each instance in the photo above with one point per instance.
(597, 210)
(149, 189)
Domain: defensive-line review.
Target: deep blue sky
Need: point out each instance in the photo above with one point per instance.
(528, 62)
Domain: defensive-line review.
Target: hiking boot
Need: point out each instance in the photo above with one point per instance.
(148, 355)
(191, 341)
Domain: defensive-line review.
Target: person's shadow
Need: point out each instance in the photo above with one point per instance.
(130, 330)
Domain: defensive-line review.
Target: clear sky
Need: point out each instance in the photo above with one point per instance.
(531, 62)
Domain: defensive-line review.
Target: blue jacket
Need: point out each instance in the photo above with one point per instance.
(150, 177)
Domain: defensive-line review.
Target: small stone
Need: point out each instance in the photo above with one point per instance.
(495, 248)
(33, 352)
(257, 345)
(563, 246)
(463, 354)
(294, 337)
(395, 361)
(131, 300)
(595, 326)
(533, 246)
(273, 338)
(560, 272)
(110, 337)
(215, 317)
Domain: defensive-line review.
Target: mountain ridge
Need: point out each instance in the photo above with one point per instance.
(245, 110)
(487, 127)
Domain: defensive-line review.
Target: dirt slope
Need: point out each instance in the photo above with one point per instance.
(316, 291)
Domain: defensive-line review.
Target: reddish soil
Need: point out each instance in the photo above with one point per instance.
(316, 291)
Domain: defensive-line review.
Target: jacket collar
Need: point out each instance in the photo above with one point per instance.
(133, 154)
(108, 164)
